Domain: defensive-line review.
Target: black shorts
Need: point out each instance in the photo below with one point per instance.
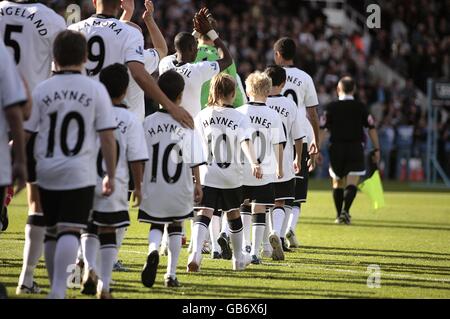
(221, 199)
(2, 196)
(31, 161)
(346, 159)
(67, 207)
(301, 179)
(111, 219)
(261, 195)
(144, 217)
(285, 190)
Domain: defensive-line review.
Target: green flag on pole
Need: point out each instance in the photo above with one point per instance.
(373, 188)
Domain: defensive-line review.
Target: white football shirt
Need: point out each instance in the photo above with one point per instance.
(293, 130)
(109, 41)
(68, 111)
(135, 98)
(131, 147)
(168, 187)
(222, 130)
(12, 92)
(267, 134)
(28, 30)
(300, 88)
(194, 75)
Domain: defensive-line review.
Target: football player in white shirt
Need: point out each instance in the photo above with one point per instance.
(111, 213)
(295, 133)
(299, 87)
(195, 74)
(29, 26)
(113, 41)
(12, 98)
(175, 156)
(69, 111)
(268, 137)
(224, 132)
(135, 95)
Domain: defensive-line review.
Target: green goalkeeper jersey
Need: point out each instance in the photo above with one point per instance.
(210, 53)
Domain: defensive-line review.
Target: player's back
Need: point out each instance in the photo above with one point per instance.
(194, 75)
(28, 30)
(109, 41)
(222, 130)
(173, 151)
(267, 131)
(300, 87)
(68, 110)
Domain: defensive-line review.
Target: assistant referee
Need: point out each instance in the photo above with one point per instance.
(345, 121)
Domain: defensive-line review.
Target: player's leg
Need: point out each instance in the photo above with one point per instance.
(246, 215)
(258, 227)
(108, 253)
(90, 245)
(240, 259)
(72, 211)
(155, 235)
(338, 196)
(224, 239)
(199, 231)
(120, 236)
(285, 195)
(267, 248)
(163, 246)
(174, 242)
(34, 242)
(349, 195)
(284, 227)
(214, 232)
(278, 216)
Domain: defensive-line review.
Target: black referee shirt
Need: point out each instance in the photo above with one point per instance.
(345, 120)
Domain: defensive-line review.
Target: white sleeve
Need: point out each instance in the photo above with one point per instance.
(311, 94)
(104, 115)
(207, 70)
(193, 152)
(136, 144)
(297, 129)
(151, 57)
(12, 90)
(134, 48)
(277, 131)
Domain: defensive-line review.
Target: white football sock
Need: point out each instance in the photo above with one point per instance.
(199, 232)
(294, 218)
(90, 246)
(120, 235)
(287, 216)
(108, 255)
(247, 224)
(258, 227)
(174, 248)
(267, 230)
(49, 253)
(277, 220)
(65, 255)
(154, 239)
(214, 232)
(236, 237)
(32, 251)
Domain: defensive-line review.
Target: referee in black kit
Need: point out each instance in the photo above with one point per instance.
(345, 121)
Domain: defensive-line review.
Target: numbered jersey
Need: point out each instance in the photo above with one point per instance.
(109, 41)
(267, 133)
(68, 111)
(131, 147)
(293, 130)
(12, 92)
(135, 98)
(300, 88)
(28, 30)
(194, 75)
(168, 188)
(222, 130)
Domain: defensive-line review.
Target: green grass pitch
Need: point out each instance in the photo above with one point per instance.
(409, 240)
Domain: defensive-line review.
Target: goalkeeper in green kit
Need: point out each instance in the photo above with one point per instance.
(208, 52)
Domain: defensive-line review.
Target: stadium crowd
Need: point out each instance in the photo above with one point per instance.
(414, 39)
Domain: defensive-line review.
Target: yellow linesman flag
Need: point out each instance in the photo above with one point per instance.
(373, 188)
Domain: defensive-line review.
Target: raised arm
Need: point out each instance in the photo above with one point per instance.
(128, 10)
(157, 37)
(202, 25)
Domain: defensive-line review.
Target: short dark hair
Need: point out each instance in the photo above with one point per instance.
(172, 84)
(277, 74)
(184, 41)
(286, 47)
(115, 78)
(111, 3)
(70, 48)
(347, 84)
